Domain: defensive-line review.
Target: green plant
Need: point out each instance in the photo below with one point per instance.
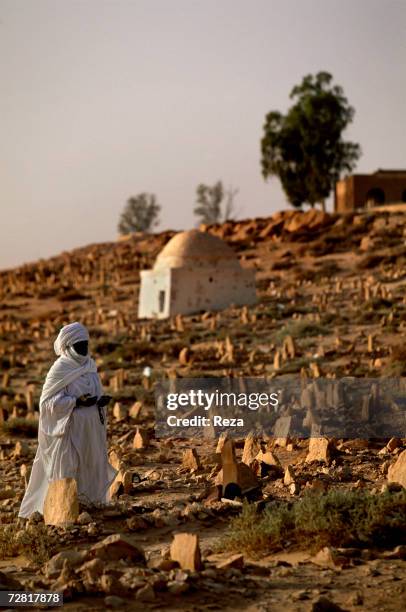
(140, 214)
(337, 518)
(214, 204)
(304, 148)
(300, 329)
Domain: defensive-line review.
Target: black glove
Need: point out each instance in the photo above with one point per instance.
(104, 400)
(86, 400)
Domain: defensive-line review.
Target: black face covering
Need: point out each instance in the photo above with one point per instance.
(81, 347)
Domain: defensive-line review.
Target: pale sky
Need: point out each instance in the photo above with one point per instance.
(100, 100)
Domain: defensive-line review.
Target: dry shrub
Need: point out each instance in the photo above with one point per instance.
(337, 518)
(19, 426)
(34, 542)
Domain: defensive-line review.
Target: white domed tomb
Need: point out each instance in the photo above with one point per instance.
(194, 272)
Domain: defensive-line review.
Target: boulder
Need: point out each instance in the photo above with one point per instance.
(84, 518)
(235, 562)
(117, 546)
(71, 558)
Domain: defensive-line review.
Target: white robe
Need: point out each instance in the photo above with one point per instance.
(72, 444)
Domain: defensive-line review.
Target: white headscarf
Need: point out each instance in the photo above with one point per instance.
(70, 365)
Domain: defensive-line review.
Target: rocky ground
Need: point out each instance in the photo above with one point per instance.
(331, 303)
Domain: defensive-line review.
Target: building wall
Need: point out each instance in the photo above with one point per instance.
(210, 288)
(188, 290)
(354, 191)
(154, 297)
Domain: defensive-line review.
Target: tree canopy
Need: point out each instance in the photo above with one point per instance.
(140, 214)
(305, 148)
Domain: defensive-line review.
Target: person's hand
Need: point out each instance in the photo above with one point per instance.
(86, 400)
(104, 400)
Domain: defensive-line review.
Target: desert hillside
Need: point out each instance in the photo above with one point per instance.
(331, 303)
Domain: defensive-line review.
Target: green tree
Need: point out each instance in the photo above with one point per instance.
(214, 204)
(305, 148)
(140, 214)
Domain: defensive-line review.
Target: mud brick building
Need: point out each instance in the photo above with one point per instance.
(368, 190)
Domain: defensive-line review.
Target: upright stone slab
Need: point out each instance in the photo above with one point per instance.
(319, 450)
(141, 439)
(190, 459)
(229, 465)
(61, 505)
(397, 471)
(185, 550)
(119, 412)
(281, 431)
(135, 410)
(252, 447)
(221, 441)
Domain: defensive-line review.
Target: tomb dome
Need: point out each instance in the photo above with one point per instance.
(196, 248)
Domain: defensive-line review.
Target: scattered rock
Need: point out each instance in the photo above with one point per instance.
(92, 570)
(145, 593)
(7, 493)
(114, 602)
(117, 546)
(110, 585)
(236, 562)
(84, 518)
(393, 444)
(177, 588)
(324, 604)
(329, 557)
(137, 523)
(69, 558)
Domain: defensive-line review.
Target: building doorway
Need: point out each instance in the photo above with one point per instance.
(161, 300)
(374, 197)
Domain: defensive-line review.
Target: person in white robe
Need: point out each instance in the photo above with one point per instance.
(72, 440)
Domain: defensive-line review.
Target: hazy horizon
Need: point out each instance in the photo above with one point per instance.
(103, 100)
